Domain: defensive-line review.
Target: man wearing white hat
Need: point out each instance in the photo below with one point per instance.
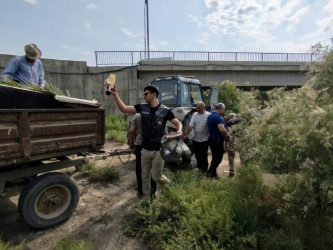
(28, 68)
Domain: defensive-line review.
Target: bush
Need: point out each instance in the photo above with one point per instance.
(230, 96)
(196, 213)
(293, 137)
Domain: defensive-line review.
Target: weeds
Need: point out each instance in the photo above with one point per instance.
(73, 244)
(7, 246)
(197, 213)
(107, 174)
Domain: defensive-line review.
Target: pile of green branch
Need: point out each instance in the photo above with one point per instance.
(47, 88)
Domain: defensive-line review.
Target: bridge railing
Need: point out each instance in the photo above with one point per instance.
(104, 58)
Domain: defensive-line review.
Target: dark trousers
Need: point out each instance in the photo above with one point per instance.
(216, 146)
(201, 154)
(138, 172)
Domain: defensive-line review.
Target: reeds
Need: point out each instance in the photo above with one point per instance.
(47, 88)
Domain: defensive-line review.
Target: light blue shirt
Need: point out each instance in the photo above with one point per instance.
(19, 68)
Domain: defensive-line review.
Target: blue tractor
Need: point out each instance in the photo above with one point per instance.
(181, 93)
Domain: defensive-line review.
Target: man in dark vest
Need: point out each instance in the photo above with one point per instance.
(154, 117)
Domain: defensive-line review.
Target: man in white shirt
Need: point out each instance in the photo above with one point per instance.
(201, 135)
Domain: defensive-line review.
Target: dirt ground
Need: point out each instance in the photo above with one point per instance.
(99, 216)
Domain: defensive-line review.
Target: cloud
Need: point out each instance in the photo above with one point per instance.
(92, 6)
(196, 20)
(299, 14)
(31, 1)
(259, 21)
(325, 25)
(245, 11)
(128, 33)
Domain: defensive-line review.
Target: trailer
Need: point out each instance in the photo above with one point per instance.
(41, 133)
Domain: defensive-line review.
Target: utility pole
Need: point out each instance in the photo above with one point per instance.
(147, 27)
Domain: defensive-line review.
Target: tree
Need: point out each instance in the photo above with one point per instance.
(230, 96)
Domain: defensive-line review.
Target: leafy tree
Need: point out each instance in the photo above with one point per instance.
(293, 138)
(230, 96)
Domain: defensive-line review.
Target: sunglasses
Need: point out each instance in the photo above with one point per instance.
(145, 94)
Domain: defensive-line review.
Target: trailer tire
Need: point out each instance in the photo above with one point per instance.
(48, 200)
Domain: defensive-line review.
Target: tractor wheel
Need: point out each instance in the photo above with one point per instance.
(48, 200)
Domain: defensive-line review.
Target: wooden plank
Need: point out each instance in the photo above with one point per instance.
(8, 131)
(58, 116)
(62, 129)
(44, 146)
(9, 149)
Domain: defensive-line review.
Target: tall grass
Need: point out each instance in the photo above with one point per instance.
(198, 213)
(117, 127)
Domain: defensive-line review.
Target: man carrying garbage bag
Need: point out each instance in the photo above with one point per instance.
(174, 151)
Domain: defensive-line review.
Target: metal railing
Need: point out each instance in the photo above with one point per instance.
(104, 58)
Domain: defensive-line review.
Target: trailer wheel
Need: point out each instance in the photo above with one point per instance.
(48, 200)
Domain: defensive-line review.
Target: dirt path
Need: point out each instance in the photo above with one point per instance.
(98, 218)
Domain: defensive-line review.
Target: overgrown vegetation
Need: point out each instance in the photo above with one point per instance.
(109, 174)
(198, 213)
(117, 127)
(286, 137)
(230, 95)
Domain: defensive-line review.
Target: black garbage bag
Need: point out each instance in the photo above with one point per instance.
(174, 150)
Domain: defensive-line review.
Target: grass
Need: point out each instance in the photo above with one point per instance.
(195, 212)
(117, 127)
(7, 246)
(107, 174)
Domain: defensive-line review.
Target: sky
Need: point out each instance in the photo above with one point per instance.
(75, 29)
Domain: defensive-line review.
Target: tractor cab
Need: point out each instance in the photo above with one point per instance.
(181, 93)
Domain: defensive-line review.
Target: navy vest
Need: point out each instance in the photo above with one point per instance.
(153, 127)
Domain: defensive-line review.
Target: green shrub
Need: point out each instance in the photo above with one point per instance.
(230, 96)
(292, 137)
(197, 213)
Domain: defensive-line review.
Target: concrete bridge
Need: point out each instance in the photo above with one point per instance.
(86, 82)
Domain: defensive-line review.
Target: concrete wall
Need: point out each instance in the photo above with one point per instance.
(86, 82)
(259, 74)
